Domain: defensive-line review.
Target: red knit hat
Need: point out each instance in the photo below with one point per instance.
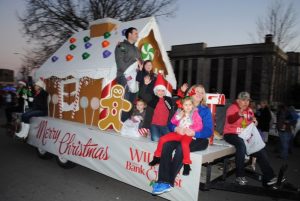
(22, 83)
(161, 84)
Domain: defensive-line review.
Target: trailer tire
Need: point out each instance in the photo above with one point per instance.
(64, 163)
(43, 154)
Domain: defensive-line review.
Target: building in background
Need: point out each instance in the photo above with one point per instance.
(6, 77)
(263, 69)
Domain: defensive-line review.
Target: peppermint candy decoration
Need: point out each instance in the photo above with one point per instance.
(147, 52)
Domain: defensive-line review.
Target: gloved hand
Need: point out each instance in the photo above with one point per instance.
(25, 96)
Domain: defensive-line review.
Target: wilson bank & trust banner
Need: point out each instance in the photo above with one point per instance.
(120, 157)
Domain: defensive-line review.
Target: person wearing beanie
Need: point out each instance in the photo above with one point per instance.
(162, 109)
(39, 108)
(22, 95)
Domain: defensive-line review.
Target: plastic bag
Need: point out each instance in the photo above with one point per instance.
(130, 129)
(252, 139)
(130, 75)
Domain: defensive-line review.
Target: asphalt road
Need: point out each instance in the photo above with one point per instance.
(25, 177)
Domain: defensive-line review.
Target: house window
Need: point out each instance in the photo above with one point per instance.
(256, 77)
(176, 69)
(241, 75)
(214, 68)
(227, 76)
(194, 71)
(185, 71)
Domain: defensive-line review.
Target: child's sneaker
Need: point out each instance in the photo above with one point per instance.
(160, 188)
(241, 181)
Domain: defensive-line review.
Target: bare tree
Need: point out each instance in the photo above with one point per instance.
(280, 20)
(49, 23)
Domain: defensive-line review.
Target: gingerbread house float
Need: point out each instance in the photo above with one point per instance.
(83, 70)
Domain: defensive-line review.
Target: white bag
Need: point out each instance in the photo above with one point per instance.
(130, 75)
(252, 139)
(130, 128)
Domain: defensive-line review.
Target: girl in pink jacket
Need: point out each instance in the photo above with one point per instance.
(187, 116)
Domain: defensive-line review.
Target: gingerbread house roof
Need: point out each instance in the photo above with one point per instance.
(89, 53)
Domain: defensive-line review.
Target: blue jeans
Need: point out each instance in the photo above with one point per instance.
(32, 113)
(158, 131)
(285, 142)
(262, 158)
(169, 166)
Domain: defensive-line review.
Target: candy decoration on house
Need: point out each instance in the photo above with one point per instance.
(123, 32)
(54, 101)
(60, 99)
(84, 103)
(105, 44)
(95, 104)
(69, 57)
(72, 47)
(48, 103)
(115, 104)
(107, 35)
(147, 52)
(75, 105)
(72, 40)
(87, 45)
(85, 55)
(54, 58)
(105, 93)
(106, 54)
(86, 39)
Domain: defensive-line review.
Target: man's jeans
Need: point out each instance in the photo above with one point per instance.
(262, 158)
(285, 141)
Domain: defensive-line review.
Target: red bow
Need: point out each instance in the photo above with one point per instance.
(179, 104)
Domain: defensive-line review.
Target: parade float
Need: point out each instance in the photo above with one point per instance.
(80, 129)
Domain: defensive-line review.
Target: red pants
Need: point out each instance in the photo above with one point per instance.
(185, 144)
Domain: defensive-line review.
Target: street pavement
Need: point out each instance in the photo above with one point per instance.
(26, 177)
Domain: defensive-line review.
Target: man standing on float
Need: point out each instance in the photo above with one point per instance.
(126, 53)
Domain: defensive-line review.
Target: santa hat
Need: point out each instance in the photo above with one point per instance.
(161, 84)
(22, 83)
(41, 84)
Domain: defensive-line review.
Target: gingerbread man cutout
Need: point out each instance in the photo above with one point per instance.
(115, 104)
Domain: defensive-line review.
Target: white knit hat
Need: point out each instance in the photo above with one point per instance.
(41, 84)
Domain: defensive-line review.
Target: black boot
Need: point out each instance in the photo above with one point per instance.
(186, 169)
(154, 161)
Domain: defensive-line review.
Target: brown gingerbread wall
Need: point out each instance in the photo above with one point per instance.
(157, 62)
(98, 30)
(89, 88)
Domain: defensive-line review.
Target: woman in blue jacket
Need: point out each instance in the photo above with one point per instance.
(169, 167)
